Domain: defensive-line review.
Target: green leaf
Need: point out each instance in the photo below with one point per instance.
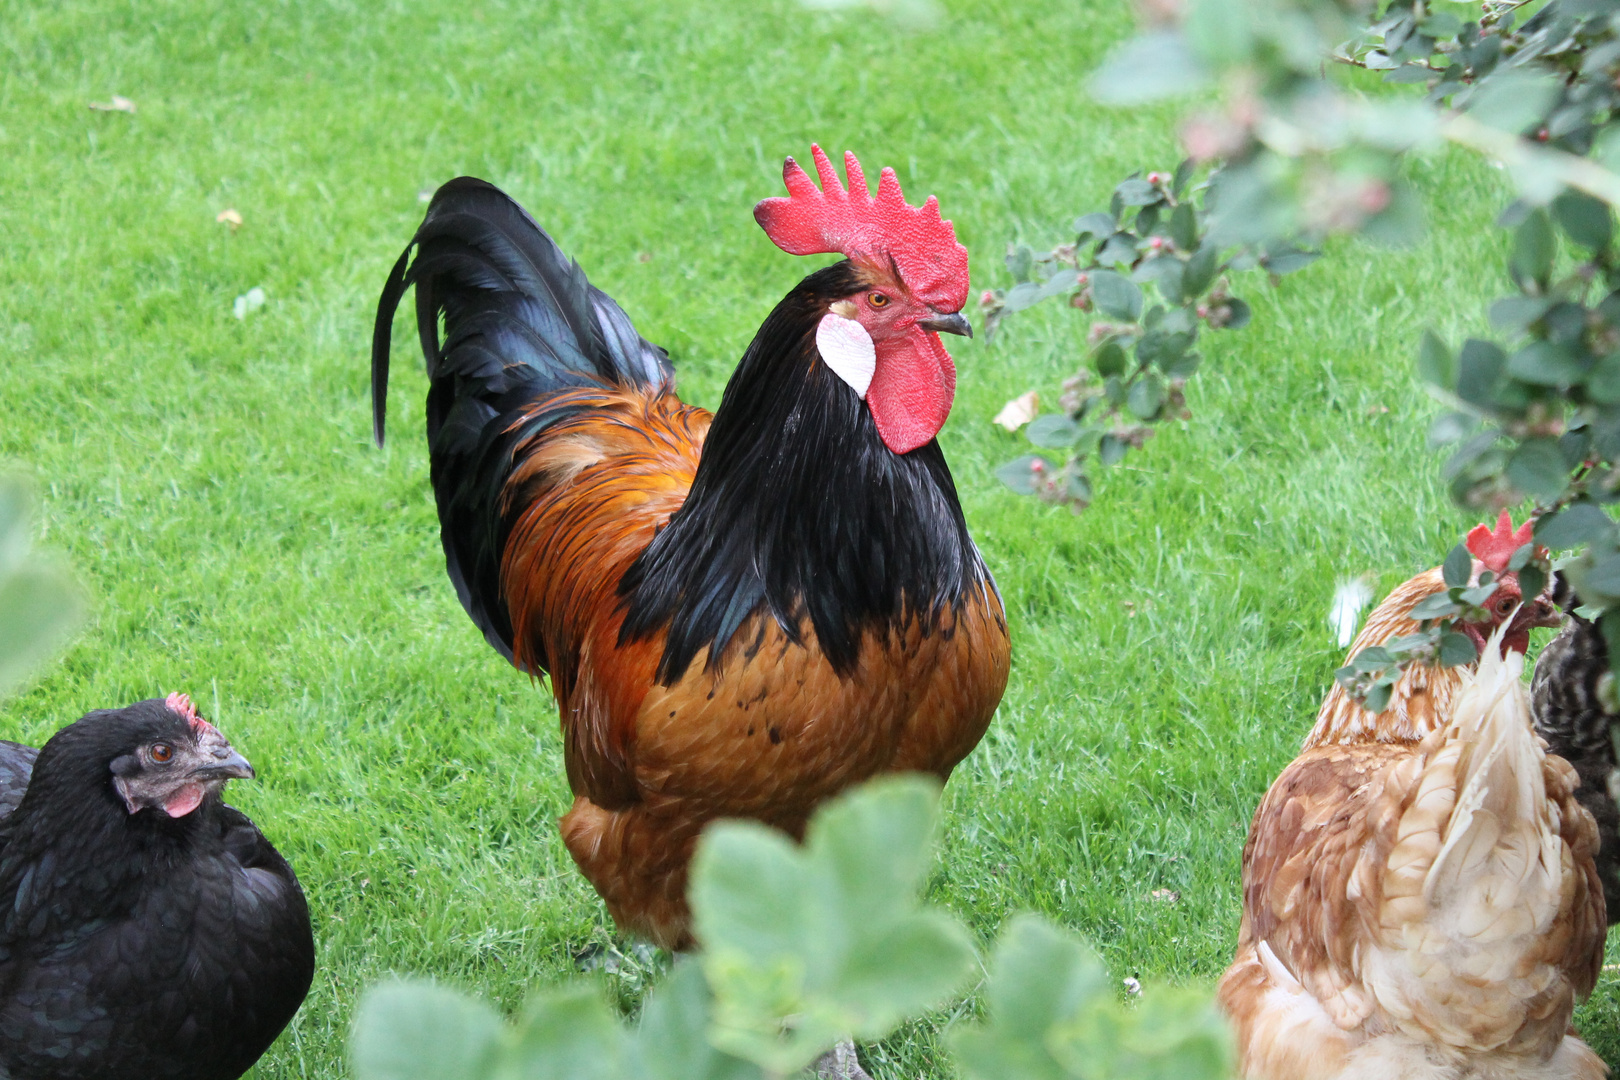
(1184, 227)
(1597, 579)
(1513, 99)
(40, 605)
(1053, 430)
(567, 1033)
(1024, 294)
(1537, 468)
(1377, 699)
(1184, 173)
(420, 1031)
(1038, 976)
(1609, 623)
(1061, 282)
(1458, 567)
(1239, 314)
(1534, 246)
(1116, 295)
(1603, 384)
(1110, 359)
(1479, 368)
(1053, 1015)
(1532, 579)
(1435, 363)
(1100, 224)
(1020, 262)
(1451, 427)
(670, 1042)
(1199, 273)
(1137, 192)
(1456, 649)
(1146, 68)
(1584, 219)
(1372, 658)
(1284, 263)
(806, 944)
(1541, 363)
(1022, 477)
(1578, 523)
(1515, 313)
(1435, 606)
(1220, 31)
(1183, 366)
(1146, 397)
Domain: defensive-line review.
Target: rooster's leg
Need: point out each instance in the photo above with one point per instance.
(840, 1063)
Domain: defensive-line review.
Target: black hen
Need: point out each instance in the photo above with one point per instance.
(147, 930)
(1569, 714)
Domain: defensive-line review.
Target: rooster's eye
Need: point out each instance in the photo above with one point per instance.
(162, 752)
(877, 299)
(1504, 605)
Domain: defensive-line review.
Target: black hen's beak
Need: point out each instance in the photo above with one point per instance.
(953, 323)
(233, 766)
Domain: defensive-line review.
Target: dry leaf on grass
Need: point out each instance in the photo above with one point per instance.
(1019, 411)
(1165, 896)
(117, 104)
(229, 217)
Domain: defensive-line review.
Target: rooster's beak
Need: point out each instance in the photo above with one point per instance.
(953, 323)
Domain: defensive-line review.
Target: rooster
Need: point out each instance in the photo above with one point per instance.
(146, 928)
(1419, 895)
(740, 614)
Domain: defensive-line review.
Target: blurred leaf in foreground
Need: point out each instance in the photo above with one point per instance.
(806, 945)
(40, 605)
(1054, 1015)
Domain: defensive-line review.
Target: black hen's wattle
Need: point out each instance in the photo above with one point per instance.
(799, 506)
(138, 945)
(1570, 715)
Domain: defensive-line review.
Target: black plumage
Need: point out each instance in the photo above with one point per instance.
(1569, 714)
(521, 323)
(134, 943)
(798, 506)
(16, 763)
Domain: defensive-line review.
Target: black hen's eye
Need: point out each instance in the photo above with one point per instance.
(162, 752)
(877, 299)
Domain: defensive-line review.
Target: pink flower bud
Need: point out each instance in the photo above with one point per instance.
(1037, 465)
(987, 298)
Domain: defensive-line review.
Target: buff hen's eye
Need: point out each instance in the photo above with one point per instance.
(162, 752)
(877, 299)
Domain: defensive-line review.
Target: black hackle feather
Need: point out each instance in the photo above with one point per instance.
(800, 507)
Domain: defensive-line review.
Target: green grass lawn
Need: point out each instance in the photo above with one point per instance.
(214, 482)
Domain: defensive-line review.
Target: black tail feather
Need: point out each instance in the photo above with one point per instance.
(520, 323)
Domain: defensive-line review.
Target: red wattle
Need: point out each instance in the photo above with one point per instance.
(912, 390)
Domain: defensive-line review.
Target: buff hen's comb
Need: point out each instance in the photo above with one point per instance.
(852, 223)
(1494, 549)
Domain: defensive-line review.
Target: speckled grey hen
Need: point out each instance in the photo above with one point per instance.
(147, 929)
(1570, 715)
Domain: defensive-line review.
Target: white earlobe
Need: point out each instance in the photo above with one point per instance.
(847, 348)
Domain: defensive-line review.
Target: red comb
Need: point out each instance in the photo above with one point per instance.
(181, 706)
(1494, 549)
(851, 222)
